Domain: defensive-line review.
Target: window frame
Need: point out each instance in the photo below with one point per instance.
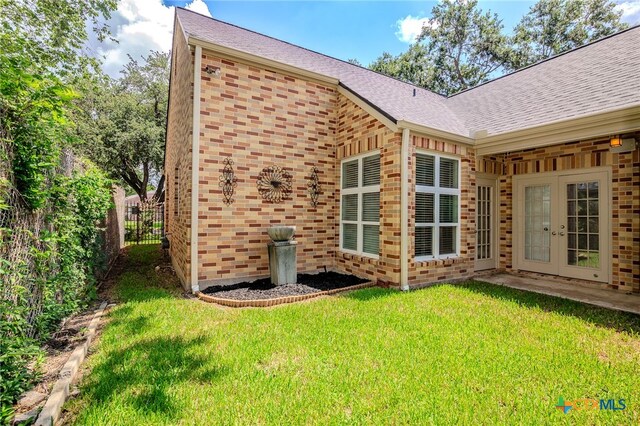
(359, 190)
(436, 190)
(176, 191)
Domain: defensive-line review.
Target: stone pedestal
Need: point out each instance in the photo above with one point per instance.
(283, 262)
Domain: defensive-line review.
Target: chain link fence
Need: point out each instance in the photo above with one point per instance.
(23, 235)
(20, 241)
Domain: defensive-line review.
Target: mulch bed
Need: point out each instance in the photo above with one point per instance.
(263, 289)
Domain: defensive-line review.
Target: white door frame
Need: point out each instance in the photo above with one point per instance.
(490, 181)
(603, 274)
(558, 263)
(518, 223)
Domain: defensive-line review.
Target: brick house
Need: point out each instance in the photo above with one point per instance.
(522, 173)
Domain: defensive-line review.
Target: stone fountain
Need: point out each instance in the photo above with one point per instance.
(282, 255)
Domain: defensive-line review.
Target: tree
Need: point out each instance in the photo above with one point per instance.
(53, 34)
(354, 61)
(458, 48)
(413, 66)
(465, 46)
(49, 239)
(122, 123)
(554, 26)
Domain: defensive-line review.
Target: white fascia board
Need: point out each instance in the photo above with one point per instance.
(612, 122)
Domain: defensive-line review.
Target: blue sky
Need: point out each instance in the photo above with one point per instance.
(343, 29)
(357, 29)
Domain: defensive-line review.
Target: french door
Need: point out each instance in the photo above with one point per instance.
(486, 224)
(561, 224)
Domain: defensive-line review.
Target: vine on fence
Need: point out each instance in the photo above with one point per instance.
(50, 209)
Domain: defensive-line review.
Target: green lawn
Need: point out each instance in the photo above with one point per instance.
(472, 354)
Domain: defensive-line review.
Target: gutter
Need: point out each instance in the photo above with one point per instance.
(195, 169)
(404, 211)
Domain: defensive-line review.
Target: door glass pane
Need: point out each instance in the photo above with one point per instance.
(483, 241)
(583, 248)
(537, 200)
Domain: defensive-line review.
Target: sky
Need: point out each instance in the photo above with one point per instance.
(360, 30)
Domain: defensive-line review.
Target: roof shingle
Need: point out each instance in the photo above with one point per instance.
(594, 78)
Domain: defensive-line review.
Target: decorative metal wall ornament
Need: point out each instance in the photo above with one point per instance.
(314, 186)
(228, 181)
(274, 184)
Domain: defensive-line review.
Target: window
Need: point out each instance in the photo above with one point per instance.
(360, 205)
(437, 213)
(176, 192)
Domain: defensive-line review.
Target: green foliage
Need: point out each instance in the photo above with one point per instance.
(122, 123)
(461, 46)
(412, 66)
(465, 45)
(66, 260)
(17, 352)
(52, 34)
(554, 26)
(32, 110)
(49, 217)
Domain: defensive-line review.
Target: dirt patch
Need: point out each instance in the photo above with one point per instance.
(263, 289)
(56, 353)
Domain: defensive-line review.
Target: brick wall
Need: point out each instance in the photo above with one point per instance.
(625, 196)
(178, 157)
(462, 266)
(261, 118)
(358, 133)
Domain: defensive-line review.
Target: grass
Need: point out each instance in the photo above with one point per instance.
(472, 354)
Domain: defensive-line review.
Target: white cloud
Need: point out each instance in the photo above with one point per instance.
(410, 27)
(139, 26)
(630, 11)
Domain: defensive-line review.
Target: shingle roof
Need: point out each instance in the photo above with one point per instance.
(598, 77)
(601, 76)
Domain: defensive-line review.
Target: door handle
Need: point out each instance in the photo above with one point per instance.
(553, 232)
(561, 233)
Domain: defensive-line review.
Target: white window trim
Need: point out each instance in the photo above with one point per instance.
(437, 191)
(358, 190)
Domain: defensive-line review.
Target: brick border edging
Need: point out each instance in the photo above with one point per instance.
(263, 303)
(53, 407)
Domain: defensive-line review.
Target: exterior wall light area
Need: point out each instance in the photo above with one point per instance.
(618, 144)
(211, 70)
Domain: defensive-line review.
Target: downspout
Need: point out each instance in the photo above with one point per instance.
(404, 211)
(195, 169)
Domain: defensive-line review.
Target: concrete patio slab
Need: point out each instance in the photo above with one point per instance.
(580, 292)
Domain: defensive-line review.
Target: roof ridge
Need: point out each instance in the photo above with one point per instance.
(315, 52)
(540, 62)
